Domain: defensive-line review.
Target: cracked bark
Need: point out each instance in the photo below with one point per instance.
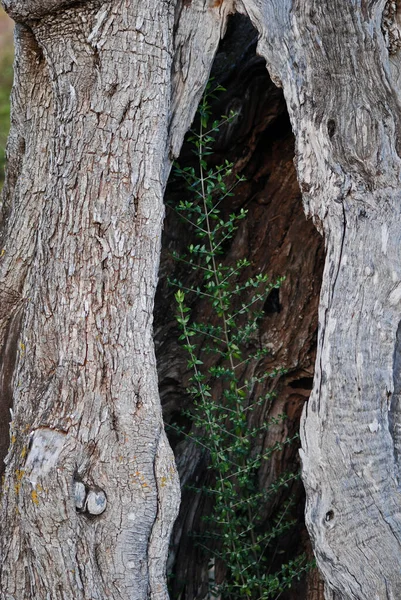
(102, 100)
(81, 227)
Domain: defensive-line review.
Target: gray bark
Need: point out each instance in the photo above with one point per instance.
(339, 75)
(103, 95)
(91, 490)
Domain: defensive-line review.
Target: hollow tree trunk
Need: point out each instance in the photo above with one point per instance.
(278, 241)
(104, 92)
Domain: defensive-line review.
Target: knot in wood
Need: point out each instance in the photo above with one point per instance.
(329, 516)
(90, 500)
(96, 502)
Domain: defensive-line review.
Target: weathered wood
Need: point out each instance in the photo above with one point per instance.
(85, 394)
(89, 155)
(341, 93)
(101, 102)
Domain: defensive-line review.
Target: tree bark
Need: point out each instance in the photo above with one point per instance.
(339, 66)
(102, 99)
(91, 490)
(87, 435)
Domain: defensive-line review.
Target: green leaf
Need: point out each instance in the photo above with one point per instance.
(179, 296)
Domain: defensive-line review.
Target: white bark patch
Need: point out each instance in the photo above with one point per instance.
(384, 238)
(101, 17)
(374, 426)
(43, 455)
(331, 325)
(395, 295)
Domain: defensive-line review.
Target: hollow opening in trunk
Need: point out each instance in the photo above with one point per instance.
(277, 240)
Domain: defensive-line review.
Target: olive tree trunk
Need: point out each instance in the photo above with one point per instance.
(90, 491)
(338, 64)
(104, 92)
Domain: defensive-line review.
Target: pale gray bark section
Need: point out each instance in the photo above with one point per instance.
(335, 69)
(85, 385)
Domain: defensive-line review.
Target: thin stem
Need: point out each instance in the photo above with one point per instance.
(210, 237)
(193, 224)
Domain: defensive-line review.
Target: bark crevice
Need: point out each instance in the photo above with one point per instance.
(8, 357)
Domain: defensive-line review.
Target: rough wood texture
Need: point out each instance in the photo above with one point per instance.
(101, 102)
(81, 227)
(343, 99)
(85, 389)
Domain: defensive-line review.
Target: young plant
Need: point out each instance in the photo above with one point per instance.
(234, 537)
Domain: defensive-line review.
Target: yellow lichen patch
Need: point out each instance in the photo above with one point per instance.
(13, 438)
(22, 347)
(24, 452)
(139, 478)
(34, 496)
(163, 482)
(135, 476)
(19, 473)
(2, 253)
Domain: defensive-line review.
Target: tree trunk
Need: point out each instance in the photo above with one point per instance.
(339, 66)
(104, 92)
(91, 490)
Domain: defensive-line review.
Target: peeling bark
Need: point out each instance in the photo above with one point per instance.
(342, 93)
